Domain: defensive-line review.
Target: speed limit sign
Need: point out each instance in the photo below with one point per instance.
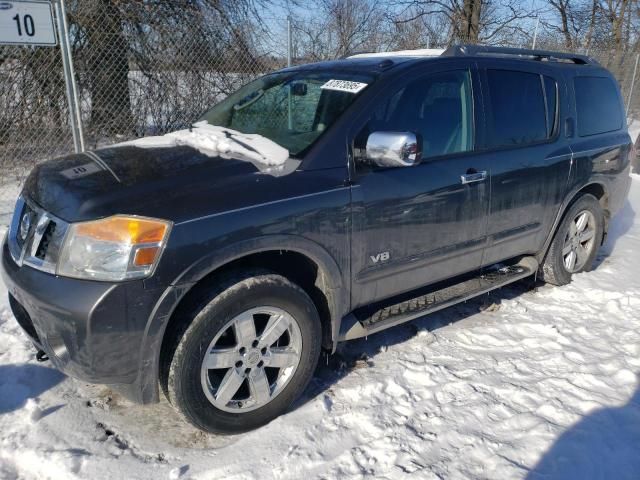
(26, 23)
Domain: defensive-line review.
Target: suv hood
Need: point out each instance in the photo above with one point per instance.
(163, 179)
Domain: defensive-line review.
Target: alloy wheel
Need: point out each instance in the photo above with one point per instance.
(251, 359)
(579, 241)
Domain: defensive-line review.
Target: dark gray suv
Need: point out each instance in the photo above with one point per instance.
(317, 204)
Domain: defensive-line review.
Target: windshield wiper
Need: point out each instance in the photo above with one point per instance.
(230, 136)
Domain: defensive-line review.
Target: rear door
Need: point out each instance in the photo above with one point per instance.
(416, 225)
(529, 152)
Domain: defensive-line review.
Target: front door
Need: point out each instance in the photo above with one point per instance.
(417, 225)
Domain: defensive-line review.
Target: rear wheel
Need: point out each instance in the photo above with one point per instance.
(576, 242)
(248, 353)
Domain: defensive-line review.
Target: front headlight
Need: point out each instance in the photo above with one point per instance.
(113, 249)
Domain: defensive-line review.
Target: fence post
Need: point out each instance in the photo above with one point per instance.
(289, 46)
(633, 81)
(75, 115)
(289, 117)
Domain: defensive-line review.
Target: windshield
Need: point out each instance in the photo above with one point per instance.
(292, 109)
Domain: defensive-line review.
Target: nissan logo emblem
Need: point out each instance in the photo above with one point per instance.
(6, 6)
(25, 225)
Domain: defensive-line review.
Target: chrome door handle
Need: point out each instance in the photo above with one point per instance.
(473, 177)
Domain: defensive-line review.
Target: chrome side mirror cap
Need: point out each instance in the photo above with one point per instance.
(394, 149)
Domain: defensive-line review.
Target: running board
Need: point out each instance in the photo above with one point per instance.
(357, 325)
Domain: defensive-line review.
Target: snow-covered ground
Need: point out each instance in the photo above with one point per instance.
(9, 191)
(531, 381)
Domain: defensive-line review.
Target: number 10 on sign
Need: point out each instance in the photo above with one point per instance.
(26, 23)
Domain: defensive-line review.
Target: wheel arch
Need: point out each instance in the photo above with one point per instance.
(595, 188)
(300, 260)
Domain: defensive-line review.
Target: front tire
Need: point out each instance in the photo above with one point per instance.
(249, 351)
(576, 242)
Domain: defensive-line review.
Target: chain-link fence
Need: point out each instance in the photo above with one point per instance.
(147, 68)
(141, 68)
(34, 114)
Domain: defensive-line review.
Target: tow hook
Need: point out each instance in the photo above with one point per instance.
(41, 356)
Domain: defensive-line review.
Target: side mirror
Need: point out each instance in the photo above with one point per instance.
(394, 149)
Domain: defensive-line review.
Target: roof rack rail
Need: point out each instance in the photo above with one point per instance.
(474, 50)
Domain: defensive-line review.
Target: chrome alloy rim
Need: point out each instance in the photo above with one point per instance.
(251, 360)
(579, 241)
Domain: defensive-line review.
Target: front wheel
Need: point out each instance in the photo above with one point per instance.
(248, 353)
(576, 242)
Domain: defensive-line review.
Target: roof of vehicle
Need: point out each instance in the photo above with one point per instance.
(375, 62)
(422, 52)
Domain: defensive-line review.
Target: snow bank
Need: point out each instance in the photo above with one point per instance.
(528, 382)
(218, 141)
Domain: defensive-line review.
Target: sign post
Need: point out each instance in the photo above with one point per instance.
(75, 114)
(27, 23)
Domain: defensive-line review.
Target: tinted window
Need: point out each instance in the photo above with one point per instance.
(551, 96)
(437, 107)
(597, 105)
(518, 114)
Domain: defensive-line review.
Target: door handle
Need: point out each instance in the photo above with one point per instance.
(473, 177)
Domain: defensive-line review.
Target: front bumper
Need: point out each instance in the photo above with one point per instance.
(94, 331)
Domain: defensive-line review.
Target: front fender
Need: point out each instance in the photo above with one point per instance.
(229, 253)
(332, 276)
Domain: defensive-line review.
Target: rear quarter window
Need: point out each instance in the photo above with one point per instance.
(597, 105)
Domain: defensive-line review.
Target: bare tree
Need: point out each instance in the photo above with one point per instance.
(340, 28)
(412, 31)
(592, 24)
(615, 12)
(474, 20)
(566, 12)
(574, 20)
(470, 19)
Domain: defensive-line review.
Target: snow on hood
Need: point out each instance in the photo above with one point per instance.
(219, 141)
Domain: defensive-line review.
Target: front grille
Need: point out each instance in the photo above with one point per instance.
(35, 236)
(23, 318)
(41, 251)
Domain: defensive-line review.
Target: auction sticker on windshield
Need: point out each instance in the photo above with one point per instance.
(344, 86)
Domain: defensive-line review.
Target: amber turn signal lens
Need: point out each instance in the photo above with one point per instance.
(129, 230)
(146, 256)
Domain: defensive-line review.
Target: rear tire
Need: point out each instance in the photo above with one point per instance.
(249, 351)
(576, 242)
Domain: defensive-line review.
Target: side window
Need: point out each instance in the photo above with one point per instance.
(437, 107)
(597, 105)
(523, 108)
(517, 108)
(518, 113)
